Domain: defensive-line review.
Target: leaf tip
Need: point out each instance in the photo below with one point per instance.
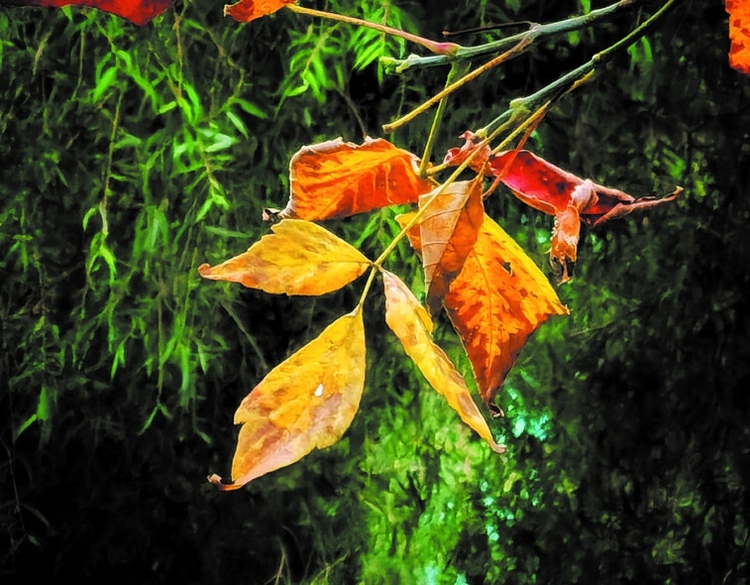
(215, 480)
(498, 448)
(205, 271)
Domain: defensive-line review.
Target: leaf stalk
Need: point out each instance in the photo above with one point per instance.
(434, 46)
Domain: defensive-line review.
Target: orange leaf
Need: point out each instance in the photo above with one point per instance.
(304, 403)
(247, 10)
(412, 325)
(448, 231)
(495, 303)
(337, 179)
(564, 248)
(299, 258)
(138, 12)
(739, 34)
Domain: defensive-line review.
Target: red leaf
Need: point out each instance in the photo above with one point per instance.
(739, 34)
(550, 189)
(534, 181)
(247, 10)
(337, 179)
(455, 156)
(138, 12)
(557, 192)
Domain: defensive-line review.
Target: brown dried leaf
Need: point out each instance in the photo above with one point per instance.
(448, 232)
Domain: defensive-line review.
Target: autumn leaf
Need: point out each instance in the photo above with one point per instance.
(138, 12)
(413, 326)
(455, 156)
(337, 179)
(557, 192)
(247, 10)
(739, 34)
(448, 230)
(550, 189)
(307, 402)
(299, 258)
(497, 301)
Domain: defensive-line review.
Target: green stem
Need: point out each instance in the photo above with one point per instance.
(536, 32)
(435, 47)
(368, 284)
(580, 74)
(455, 71)
(515, 51)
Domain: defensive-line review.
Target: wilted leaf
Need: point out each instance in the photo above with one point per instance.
(247, 10)
(304, 403)
(534, 181)
(455, 156)
(739, 34)
(337, 179)
(564, 245)
(448, 231)
(138, 12)
(555, 191)
(550, 189)
(495, 303)
(299, 258)
(412, 325)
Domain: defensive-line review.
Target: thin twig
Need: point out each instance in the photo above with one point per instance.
(536, 32)
(515, 51)
(435, 47)
(580, 74)
(456, 70)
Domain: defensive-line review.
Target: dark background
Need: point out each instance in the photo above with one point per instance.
(120, 370)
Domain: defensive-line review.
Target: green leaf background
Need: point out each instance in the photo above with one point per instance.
(129, 156)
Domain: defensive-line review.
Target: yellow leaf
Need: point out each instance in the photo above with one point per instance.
(304, 403)
(411, 323)
(299, 258)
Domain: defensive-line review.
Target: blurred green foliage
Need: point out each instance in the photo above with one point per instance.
(128, 156)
